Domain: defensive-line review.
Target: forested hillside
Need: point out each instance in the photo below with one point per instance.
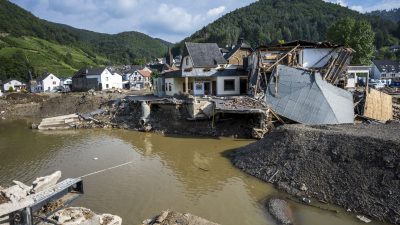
(21, 33)
(267, 21)
(393, 14)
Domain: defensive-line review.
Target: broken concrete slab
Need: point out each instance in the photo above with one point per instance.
(43, 183)
(172, 218)
(84, 216)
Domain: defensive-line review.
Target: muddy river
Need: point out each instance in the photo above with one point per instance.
(183, 174)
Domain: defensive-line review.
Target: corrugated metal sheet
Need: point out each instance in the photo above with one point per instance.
(305, 98)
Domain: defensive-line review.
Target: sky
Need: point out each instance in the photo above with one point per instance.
(171, 20)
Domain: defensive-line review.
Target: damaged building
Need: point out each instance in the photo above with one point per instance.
(298, 81)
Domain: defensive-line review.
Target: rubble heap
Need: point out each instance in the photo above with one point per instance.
(354, 166)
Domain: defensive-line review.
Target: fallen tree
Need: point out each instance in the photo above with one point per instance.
(354, 166)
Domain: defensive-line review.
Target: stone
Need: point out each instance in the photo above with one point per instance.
(84, 216)
(15, 193)
(281, 211)
(43, 183)
(303, 187)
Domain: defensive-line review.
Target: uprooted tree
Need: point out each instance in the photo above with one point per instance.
(356, 34)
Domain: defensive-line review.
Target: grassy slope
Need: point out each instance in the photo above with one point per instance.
(47, 56)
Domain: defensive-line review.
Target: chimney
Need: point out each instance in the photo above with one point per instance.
(240, 41)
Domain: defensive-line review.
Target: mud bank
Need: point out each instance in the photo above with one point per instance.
(354, 166)
(17, 105)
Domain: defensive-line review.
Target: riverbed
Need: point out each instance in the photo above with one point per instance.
(167, 172)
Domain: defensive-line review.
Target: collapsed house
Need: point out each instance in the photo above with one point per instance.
(298, 81)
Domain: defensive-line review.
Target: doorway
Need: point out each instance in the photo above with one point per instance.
(243, 86)
(207, 88)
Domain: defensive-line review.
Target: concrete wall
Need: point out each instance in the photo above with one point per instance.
(220, 86)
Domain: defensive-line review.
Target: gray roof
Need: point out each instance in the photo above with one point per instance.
(205, 55)
(44, 76)
(89, 71)
(387, 66)
(241, 45)
(306, 98)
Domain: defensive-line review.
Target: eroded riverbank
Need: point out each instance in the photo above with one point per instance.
(178, 173)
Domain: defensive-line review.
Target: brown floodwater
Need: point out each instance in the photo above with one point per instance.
(177, 173)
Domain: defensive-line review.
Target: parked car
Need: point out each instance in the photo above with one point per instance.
(395, 84)
(376, 84)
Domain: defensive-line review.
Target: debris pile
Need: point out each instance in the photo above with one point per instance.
(172, 218)
(46, 198)
(79, 215)
(354, 166)
(396, 109)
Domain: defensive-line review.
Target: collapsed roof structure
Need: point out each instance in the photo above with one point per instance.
(297, 80)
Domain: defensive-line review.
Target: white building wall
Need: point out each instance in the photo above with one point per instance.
(51, 83)
(318, 57)
(187, 62)
(220, 86)
(13, 84)
(173, 86)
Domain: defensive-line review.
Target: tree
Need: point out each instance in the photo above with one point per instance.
(355, 34)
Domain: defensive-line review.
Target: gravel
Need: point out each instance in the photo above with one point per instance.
(354, 166)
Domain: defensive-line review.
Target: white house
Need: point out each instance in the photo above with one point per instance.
(48, 82)
(204, 71)
(139, 78)
(13, 84)
(97, 79)
(386, 70)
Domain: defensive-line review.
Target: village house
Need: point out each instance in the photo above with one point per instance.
(238, 57)
(48, 82)
(13, 85)
(138, 78)
(386, 70)
(97, 79)
(66, 84)
(204, 71)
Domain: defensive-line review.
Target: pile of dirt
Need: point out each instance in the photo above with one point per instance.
(53, 104)
(354, 166)
(20, 98)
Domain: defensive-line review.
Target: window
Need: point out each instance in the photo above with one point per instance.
(170, 87)
(54, 83)
(187, 61)
(229, 85)
(51, 77)
(106, 78)
(134, 78)
(107, 85)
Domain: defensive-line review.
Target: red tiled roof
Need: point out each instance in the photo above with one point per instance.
(145, 73)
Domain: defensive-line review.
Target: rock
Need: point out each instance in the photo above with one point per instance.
(303, 187)
(43, 183)
(280, 210)
(34, 126)
(83, 216)
(175, 218)
(15, 193)
(364, 219)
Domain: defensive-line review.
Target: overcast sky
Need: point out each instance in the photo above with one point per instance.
(171, 20)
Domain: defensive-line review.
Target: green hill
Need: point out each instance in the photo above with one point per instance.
(47, 44)
(267, 21)
(393, 14)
